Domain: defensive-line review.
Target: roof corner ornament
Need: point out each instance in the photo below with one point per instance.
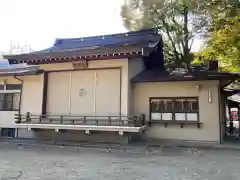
(146, 51)
(80, 64)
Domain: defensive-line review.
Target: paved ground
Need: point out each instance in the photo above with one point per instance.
(51, 163)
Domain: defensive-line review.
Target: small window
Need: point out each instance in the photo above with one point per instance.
(1, 102)
(2, 87)
(9, 101)
(194, 106)
(177, 109)
(13, 86)
(186, 105)
(16, 101)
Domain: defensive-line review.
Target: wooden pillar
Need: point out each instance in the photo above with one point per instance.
(230, 121)
(238, 119)
(44, 97)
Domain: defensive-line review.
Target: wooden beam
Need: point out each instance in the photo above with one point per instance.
(51, 60)
(44, 97)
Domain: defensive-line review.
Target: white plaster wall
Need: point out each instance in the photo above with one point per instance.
(135, 66)
(10, 80)
(209, 112)
(116, 63)
(32, 94)
(7, 119)
(82, 105)
(58, 93)
(101, 96)
(107, 92)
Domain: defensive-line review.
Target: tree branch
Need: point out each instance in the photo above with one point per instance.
(171, 40)
(191, 43)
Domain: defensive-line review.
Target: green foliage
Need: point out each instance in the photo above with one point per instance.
(197, 60)
(224, 42)
(223, 36)
(178, 21)
(181, 21)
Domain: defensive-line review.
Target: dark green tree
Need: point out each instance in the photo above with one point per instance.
(178, 21)
(223, 40)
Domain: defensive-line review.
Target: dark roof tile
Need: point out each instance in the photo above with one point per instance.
(143, 38)
(159, 75)
(114, 43)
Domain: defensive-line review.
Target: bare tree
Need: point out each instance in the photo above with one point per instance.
(17, 48)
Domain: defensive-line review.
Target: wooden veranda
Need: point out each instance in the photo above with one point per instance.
(119, 124)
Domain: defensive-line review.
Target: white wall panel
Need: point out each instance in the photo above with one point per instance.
(58, 93)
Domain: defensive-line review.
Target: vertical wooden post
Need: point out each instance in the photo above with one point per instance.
(230, 121)
(69, 93)
(238, 121)
(109, 120)
(135, 118)
(95, 93)
(28, 119)
(61, 119)
(143, 119)
(45, 89)
(40, 118)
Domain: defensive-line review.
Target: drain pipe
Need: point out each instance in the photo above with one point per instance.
(20, 100)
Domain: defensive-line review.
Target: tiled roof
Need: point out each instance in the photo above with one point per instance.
(113, 45)
(159, 75)
(7, 69)
(141, 38)
(4, 63)
(22, 73)
(235, 97)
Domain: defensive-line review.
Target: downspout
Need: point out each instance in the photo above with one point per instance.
(20, 100)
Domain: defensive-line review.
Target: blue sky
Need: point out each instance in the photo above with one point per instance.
(39, 22)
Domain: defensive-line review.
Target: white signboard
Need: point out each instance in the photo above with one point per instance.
(156, 116)
(192, 117)
(167, 116)
(180, 117)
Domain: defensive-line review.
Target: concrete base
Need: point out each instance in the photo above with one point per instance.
(123, 129)
(78, 136)
(179, 143)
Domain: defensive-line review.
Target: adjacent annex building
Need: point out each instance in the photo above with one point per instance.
(111, 88)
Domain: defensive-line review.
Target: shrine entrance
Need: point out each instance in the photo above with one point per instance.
(86, 92)
(231, 116)
(232, 122)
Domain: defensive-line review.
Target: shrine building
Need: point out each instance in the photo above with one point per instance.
(110, 88)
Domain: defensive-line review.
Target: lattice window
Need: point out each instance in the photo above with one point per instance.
(9, 101)
(175, 109)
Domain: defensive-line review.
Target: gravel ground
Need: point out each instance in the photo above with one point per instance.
(51, 163)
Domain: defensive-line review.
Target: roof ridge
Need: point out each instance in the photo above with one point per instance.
(108, 36)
